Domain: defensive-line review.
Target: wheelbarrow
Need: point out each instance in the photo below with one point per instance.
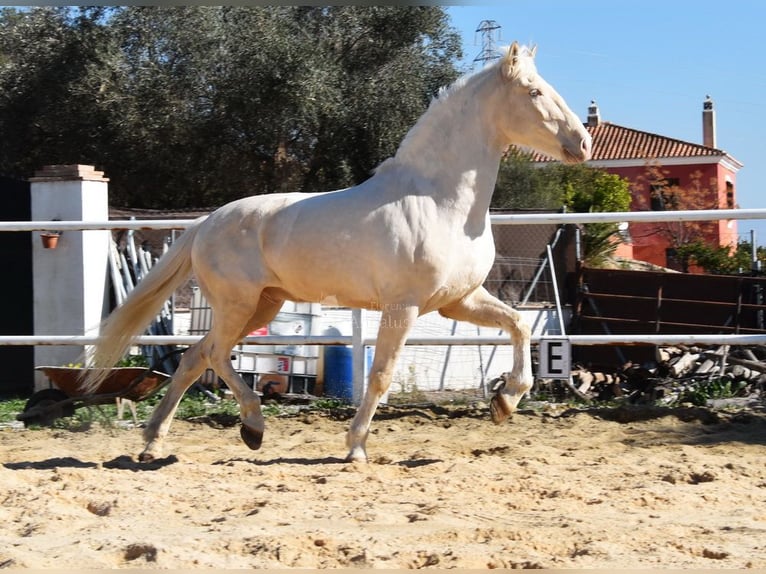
(61, 400)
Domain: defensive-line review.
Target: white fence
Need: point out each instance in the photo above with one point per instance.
(497, 219)
(360, 339)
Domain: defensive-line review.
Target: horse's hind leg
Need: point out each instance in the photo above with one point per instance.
(193, 363)
(189, 369)
(226, 322)
(483, 309)
(395, 324)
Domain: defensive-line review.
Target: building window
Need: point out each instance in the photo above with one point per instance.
(729, 195)
(672, 261)
(661, 196)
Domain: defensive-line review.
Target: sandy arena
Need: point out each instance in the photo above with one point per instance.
(445, 488)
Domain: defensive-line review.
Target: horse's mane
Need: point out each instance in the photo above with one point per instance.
(445, 91)
(444, 104)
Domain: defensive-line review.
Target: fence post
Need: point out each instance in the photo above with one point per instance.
(357, 355)
(69, 280)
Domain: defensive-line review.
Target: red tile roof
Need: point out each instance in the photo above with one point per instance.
(613, 142)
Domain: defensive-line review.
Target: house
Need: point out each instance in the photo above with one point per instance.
(666, 173)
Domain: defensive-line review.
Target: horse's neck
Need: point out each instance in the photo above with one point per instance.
(454, 145)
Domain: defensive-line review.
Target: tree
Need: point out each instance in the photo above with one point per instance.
(720, 260)
(47, 111)
(196, 106)
(577, 188)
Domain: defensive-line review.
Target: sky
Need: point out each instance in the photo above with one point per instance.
(648, 65)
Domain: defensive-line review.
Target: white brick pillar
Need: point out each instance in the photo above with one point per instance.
(70, 280)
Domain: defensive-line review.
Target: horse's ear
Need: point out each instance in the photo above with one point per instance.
(533, 51)
(510, 60)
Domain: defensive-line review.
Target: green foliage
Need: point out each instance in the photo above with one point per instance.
(719, 388)
(194, 106)
(325, 403)
(133, 361)
(720, 260)
(47, 111)
(197, 405)
(11, 407)
(126, 361)
(578, 188)
(520, 185)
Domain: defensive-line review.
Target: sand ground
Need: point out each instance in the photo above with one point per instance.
(608, 488)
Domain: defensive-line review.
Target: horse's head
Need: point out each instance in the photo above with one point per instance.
(538, 117)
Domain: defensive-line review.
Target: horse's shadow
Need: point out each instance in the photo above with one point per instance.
(300, 461)
(123, 462)
(50, 463)
(283, 460)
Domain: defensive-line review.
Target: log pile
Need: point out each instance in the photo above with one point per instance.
(679, 374)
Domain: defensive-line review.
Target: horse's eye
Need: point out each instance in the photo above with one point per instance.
(534, 92)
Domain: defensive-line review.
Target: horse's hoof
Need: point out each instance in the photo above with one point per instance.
(146, 457)
(499, 409)
(252, 438)
(356, 455)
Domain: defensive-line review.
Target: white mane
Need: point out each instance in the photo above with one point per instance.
(446, 108)
(443, 110)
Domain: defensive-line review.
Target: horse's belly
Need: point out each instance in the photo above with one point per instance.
(350, 285)
(375, 283)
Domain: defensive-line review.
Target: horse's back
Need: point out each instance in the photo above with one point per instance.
(383, 241)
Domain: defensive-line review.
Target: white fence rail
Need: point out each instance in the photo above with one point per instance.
(491, 340)
(497, 219)
(359, 339)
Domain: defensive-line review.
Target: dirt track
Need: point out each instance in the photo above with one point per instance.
(443, 489)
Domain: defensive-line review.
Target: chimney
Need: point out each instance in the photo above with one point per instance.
(708, 123)
(593, 117)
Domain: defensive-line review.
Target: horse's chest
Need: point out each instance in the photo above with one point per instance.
(463, 261)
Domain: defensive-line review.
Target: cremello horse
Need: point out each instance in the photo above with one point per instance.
(413, 238)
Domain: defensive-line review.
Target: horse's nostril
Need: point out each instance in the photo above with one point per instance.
(585, 146)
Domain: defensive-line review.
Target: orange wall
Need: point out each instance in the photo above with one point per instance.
(649, 244)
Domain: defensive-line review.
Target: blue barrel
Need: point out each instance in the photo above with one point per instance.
(338, 373)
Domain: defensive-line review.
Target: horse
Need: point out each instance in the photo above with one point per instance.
(413, 238)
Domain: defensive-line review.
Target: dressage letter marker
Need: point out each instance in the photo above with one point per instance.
(555, 358)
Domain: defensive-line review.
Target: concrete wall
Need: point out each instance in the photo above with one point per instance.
(458, 367)
(69, 281)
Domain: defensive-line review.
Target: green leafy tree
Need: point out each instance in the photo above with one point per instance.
(47, 107)
(521, 185)
(720, 260)
(577, 188)
(196, 106)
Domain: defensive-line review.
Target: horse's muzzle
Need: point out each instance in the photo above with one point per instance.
(577, 154)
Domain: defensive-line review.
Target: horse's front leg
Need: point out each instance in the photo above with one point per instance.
(485, 310)
(395, 324)
(190, 367)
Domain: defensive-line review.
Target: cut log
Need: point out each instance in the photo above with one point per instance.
(755, 365)
(683, 364)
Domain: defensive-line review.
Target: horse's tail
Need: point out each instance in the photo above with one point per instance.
(129, 320)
